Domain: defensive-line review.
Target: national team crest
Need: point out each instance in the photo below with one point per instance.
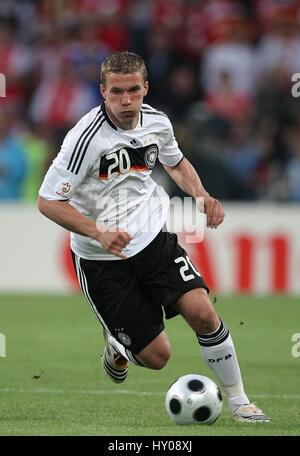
(151, 155)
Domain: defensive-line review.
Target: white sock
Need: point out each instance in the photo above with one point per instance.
(124, 351)
(219, 353)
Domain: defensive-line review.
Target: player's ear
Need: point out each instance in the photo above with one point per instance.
(146, 88)
(102, 90)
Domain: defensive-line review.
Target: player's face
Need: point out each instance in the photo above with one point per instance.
(123, 95)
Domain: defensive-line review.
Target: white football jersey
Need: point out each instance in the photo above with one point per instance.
(105, 173)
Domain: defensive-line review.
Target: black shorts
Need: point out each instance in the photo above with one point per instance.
(129, 296)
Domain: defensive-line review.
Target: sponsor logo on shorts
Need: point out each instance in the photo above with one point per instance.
(124, 338)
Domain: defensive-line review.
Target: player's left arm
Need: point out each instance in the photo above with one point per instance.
(186, 177)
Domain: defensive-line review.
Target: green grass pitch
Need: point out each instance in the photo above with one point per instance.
(51, 382)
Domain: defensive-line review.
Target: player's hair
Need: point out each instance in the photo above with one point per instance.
(124, 62)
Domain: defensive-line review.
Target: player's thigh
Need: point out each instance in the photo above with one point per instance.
(137, 322)
(169, 272)
(120, 304)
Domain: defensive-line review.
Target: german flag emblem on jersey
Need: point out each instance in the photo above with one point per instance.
(127, 159)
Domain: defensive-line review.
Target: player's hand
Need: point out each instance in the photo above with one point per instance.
(114, 240)
(214, 212)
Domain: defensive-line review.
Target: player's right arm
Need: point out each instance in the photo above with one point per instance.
(64, 177)
(65, 215)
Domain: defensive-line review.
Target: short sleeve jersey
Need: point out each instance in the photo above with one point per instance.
(105, 173)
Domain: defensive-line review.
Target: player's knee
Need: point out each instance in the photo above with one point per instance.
(208, 322)
(203, 319)
(157, 359)
(160, 360)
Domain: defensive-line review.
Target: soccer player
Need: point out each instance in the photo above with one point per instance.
(129, 267)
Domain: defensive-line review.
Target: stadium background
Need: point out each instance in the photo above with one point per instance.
(222, 71)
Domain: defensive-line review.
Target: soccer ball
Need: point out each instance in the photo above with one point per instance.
(194, 399)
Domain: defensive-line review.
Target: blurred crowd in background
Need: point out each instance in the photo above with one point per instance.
(220, 69)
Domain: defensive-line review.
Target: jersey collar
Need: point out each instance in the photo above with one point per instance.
(107, 118)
